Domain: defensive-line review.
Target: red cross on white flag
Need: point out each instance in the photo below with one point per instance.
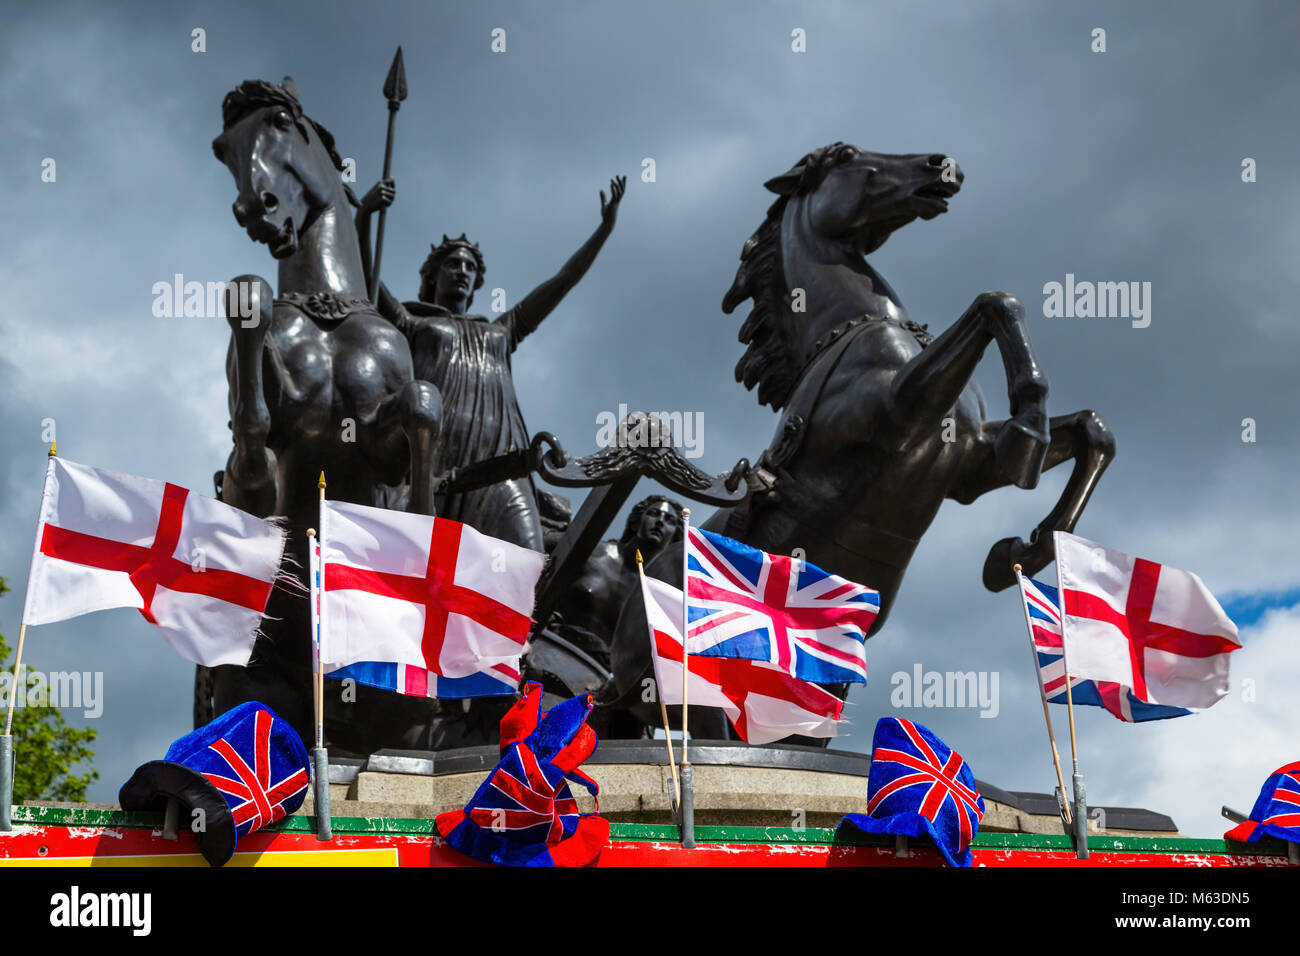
(1146, 626)
(196, 568)
(422, 591)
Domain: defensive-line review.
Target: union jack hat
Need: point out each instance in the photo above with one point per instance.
(244, 770)
(524, 813)
(918, 786)
(1277, 809)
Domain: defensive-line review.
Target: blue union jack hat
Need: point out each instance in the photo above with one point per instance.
(524, 813)
(244, 770)
(918, 786)
(1277, 809)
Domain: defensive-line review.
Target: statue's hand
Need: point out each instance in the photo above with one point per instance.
(381, 196)
(609, 210)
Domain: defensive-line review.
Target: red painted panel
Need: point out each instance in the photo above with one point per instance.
(99, 846)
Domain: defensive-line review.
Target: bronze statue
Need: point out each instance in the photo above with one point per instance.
(319, 381)
(593, 602)
(881, 421)
(413, 405)
(468, 357)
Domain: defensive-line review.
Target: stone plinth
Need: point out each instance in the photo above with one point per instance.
(735, 784)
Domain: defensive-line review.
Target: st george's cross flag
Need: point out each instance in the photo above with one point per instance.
(196, 568)
(1155, 630)
(430, 593)
(496, 679)
(763, 702)
(746, 603)
(1045, 626)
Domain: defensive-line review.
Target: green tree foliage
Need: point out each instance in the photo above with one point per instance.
(46, 749)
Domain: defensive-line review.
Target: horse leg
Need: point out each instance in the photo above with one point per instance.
(250, 479)
(927, 387)
(412, 416)
(1082, 437)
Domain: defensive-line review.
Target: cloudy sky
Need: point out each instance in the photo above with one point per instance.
(1121, 166)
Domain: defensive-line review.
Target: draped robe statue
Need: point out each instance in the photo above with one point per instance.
(469, 358)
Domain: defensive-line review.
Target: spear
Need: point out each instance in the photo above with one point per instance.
(394, 92)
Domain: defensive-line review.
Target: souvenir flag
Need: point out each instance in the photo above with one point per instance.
(745, 603)
(1277, 810)
(524, 813)
(199, 570)
(763, 702)
(917, 785)
(243, 770)
(431, 593)
(497, 680)
(1045, 618)
(1155, 630)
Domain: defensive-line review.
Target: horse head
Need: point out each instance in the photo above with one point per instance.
(861, 197)
(836, 205)
(284, 163)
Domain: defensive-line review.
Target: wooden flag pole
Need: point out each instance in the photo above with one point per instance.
(320, 756)
(663, 708)
(686, 804)
(1080, 795)
(14, 686)
(1042, 693)
(17, 685)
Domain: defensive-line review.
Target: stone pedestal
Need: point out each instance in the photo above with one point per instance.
(735, 785)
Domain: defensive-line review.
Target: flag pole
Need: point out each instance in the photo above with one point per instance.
(1042, 693)
(320, 756)
(7, 741)
(663, 708)
(686, 805)
(1080, 795)
(18, 685)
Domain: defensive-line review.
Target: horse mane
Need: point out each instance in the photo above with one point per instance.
(253, 95)
(771, 361)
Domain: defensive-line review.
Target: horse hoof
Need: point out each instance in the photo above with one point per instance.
(998, 575)
(1020, 452)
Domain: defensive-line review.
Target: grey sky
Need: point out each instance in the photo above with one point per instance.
(1116, 166)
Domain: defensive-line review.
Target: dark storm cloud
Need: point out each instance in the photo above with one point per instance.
(1116, 166)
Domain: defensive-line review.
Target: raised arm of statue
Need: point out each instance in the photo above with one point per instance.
(381, 196)
(541, 302)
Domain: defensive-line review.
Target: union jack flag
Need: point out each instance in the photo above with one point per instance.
(918, 785)
(1277, 810)
(745, 603)
(259, 799)
(1044, 607)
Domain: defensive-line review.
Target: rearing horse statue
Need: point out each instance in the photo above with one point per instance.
(319, 381)
(880, 421)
